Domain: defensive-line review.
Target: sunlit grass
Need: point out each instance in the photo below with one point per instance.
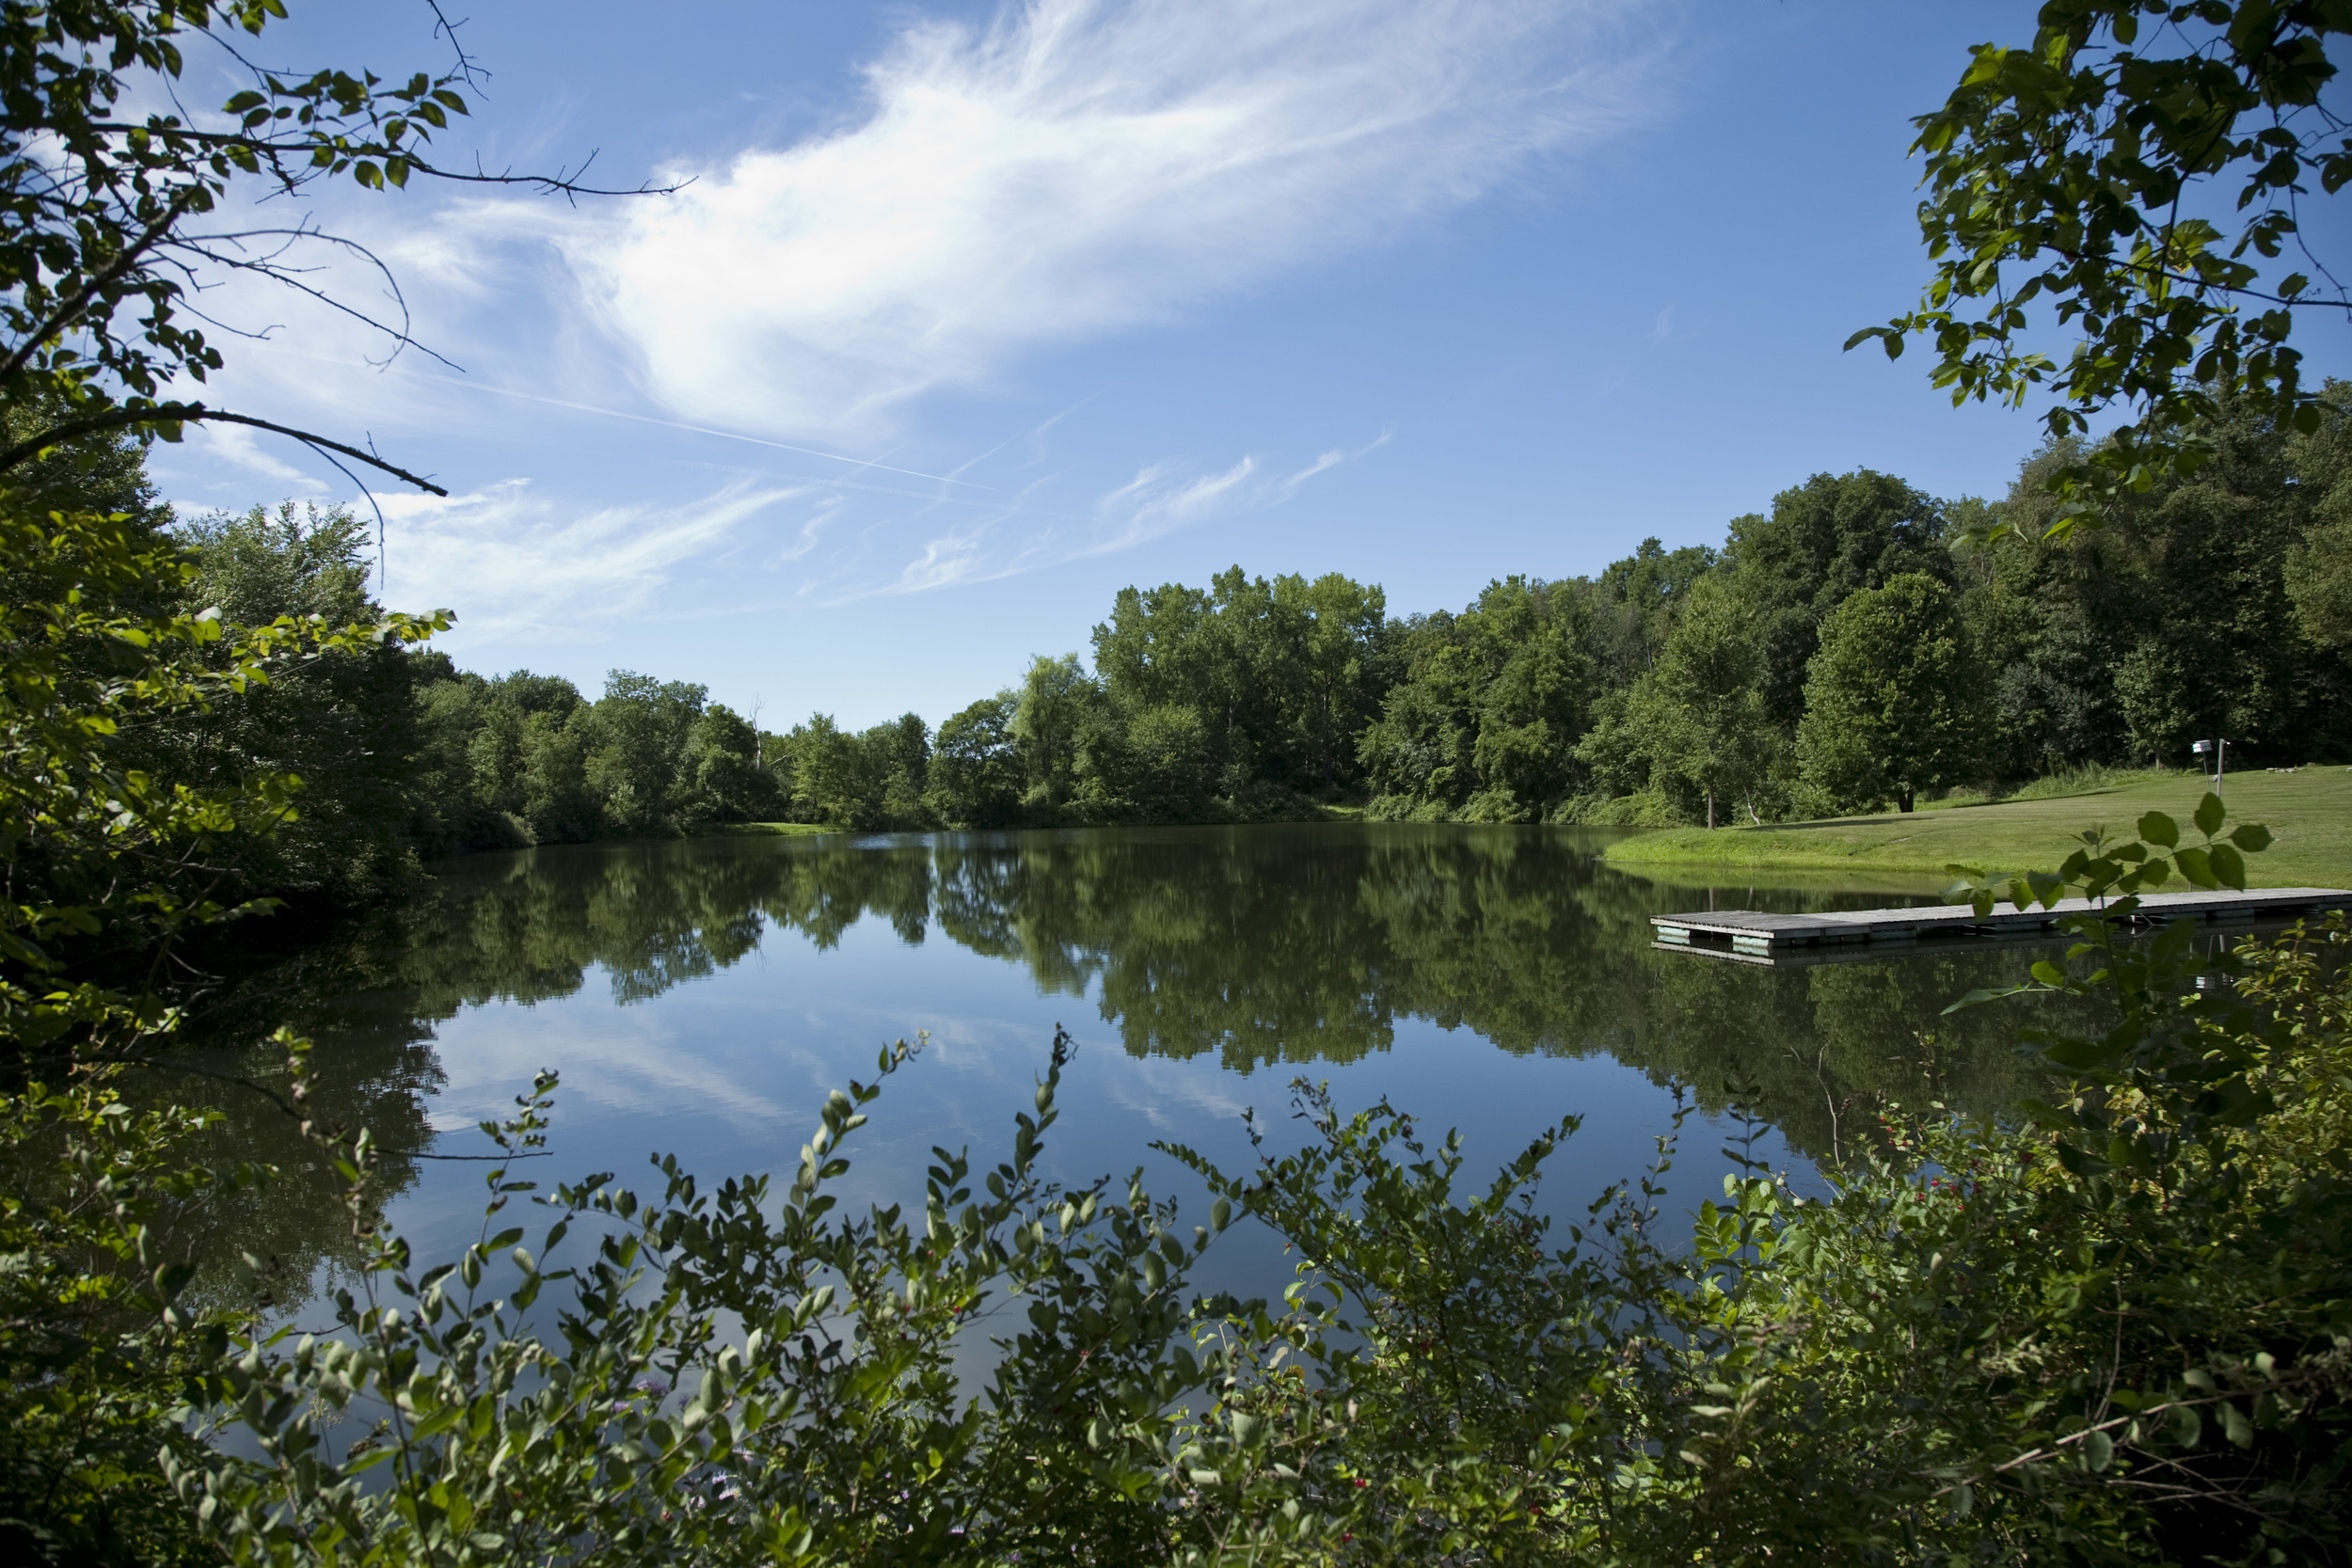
(2309, 810)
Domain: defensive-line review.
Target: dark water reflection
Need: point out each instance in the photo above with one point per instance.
(703, 995)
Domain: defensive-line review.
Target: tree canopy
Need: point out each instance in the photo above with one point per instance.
(1894, 705)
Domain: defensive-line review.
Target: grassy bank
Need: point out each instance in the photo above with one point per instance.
(770, 830)
(2310, 811)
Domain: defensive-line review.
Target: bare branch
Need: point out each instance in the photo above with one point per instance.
(265, 266)
(196, 413)
(275, 152)
(467, 67)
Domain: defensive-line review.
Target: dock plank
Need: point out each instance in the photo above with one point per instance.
(1759, 932)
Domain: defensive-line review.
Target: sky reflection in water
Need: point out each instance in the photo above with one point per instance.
(703, 996)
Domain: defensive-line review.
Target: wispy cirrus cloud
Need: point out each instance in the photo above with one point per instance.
(236, 446)
(1071, 170)
(517, 565)
(1161, 498)
(1076, 168)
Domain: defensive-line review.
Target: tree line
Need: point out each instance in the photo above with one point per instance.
(1836, 653)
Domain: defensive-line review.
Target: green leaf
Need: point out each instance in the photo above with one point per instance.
(1890, 339)
(2236, 1426)
(2156, 828)
(2228, 866)
(2188, 1426)
(2252, 837)
(2210, 815)
(2196, 865)
(2098, 1452)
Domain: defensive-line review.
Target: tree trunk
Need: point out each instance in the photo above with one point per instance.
(1902, 803)
(1710, 808)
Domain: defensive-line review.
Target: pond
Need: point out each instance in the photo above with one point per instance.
(703, 996)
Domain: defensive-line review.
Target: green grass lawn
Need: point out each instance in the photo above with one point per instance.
(2310, 812)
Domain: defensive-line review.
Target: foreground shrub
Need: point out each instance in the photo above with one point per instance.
(2116, 1330)
(2119, 1331)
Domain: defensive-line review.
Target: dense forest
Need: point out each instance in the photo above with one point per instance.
(1838, 652)
(1843, 650)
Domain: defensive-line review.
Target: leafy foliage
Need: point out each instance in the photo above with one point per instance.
(2082, 671)
(1895, 704)
(101, 1365)
(526, 759)
(1702, 710)
(94, 682)
(108, 867)
(2097, 168)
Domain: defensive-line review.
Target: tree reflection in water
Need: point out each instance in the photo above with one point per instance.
(1263, 947)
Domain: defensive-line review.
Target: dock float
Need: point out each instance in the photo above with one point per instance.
(1755, 937)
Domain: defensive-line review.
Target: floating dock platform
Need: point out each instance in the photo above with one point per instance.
(1752, 936)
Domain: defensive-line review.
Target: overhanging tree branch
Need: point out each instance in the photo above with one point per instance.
(196, 413)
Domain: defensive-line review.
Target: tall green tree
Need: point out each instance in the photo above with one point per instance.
(1702, 709)
(2086, 671)
(724, 777)
(868, 780)
(1281, 674)
(1057, 698)
(637, 733)
(1483, 720)
(1895, 704)
(2318, 571)
(976, 771)
(1635, 601)
(1823, 541)
(343, 722)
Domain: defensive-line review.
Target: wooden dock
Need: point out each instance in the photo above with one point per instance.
(1755, 937)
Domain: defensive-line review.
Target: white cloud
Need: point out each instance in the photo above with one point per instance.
(516, 565)
(1156, 501)
(1075, 169)
(234, 444)
(1161, 498)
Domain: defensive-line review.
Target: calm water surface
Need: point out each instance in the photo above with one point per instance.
(703, 996)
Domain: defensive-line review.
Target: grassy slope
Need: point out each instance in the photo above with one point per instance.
(2309, 812)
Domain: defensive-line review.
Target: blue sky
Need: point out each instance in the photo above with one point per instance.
(973, 315)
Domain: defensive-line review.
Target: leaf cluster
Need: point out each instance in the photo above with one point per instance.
(2135, 166)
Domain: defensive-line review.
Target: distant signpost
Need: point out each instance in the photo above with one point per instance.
(2219, 751)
